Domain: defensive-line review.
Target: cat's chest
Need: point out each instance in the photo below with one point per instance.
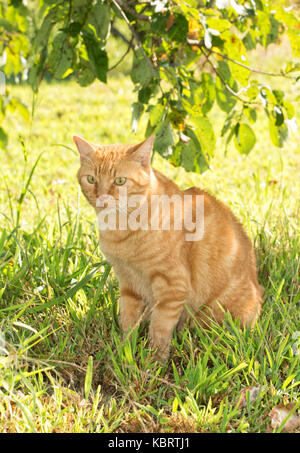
(127, 271)
(133, 277)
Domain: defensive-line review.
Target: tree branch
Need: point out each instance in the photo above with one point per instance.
(132, 11)
(200, 44)
(136, 36)
(123, 56)
(118, 34)
(228, 88)
(258, 71)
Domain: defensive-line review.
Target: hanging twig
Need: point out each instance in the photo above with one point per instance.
(258, 71)
(136, 37)
(123, 56)
(200, 44)
(118, 34)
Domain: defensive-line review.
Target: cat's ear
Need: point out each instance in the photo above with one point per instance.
(142, 152)
(85, 148)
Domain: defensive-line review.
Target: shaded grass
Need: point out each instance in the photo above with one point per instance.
(64, 366)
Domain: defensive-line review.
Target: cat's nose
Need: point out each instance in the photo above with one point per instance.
(102, 200)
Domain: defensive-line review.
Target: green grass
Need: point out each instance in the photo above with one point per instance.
(64, 366)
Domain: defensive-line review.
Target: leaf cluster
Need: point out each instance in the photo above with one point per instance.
(187, 57)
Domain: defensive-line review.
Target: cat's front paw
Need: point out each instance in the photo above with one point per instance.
(162, 358)
(127, 324)
(161, 353)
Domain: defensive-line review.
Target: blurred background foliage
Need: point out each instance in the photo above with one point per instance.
(183, 58)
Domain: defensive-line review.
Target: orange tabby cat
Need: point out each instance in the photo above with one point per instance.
(160, 271)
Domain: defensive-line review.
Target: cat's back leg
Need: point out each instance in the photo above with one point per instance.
(244, 305)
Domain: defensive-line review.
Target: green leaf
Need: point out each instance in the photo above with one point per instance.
(264, 26)
(274, 30)
(177, 116)
(244, 138)
(61, 56)
(36, 70)
(290, 110)
(189, 154)
(291, 23)
(249, 40)
(236, 50)
(229, 138)
(43, 33)
(13, 63)
(253, 90)
(3, 138)
(148, 91)
(7, 25)
(99, 17)
(33, 76)
(267, 95)
(78, 11)
(278, 134)
(205, 134)
(73, 29)
(228, 122)
(216, 23)
(159, 23)
(16, 104)
(141, 73)
(278, 115)
(84, 73)
(279, 95)
(294, 37)
(136, 112)
(250, 114)
(163, 139)
(225, 100)
(224, 71)
(209, 92)
(179, 30)
(97, 56)
(149, 130)
(156, 114)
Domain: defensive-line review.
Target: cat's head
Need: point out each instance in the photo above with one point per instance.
(107, 169)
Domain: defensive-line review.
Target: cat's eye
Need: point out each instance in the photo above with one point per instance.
(91, 179)
(120, 180)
